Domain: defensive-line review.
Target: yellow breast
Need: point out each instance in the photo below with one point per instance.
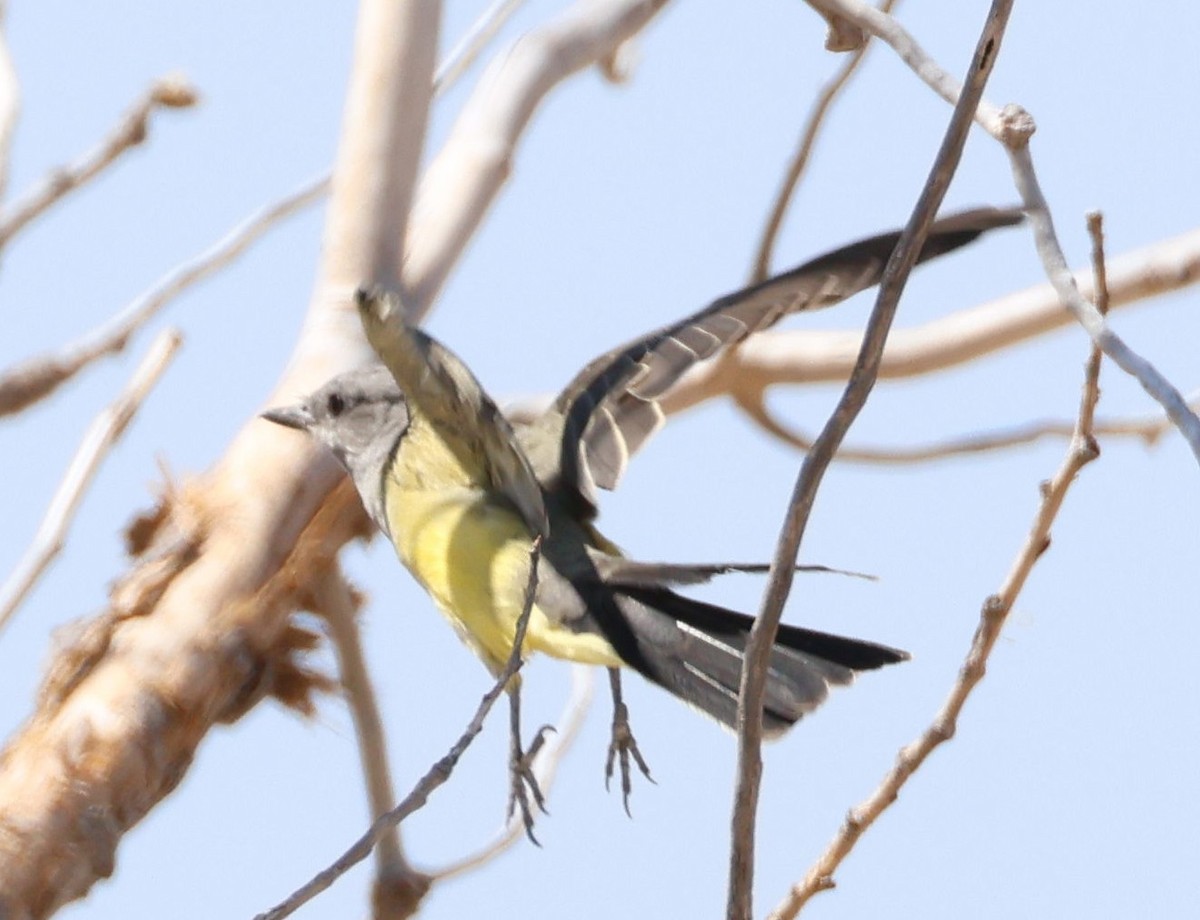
(472, 554)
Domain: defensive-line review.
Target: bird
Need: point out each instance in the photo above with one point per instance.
(463, 494)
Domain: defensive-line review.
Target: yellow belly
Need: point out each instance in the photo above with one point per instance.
(472, 556)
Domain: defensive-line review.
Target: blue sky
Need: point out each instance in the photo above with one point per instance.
(1070, 787)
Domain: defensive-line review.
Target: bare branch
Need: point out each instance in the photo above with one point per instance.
(36, 378)
(468, 48)
(466, 176)
(545, 768)
(99, 439)
(762, 635)
(436, 776)
(130, 694)
(878, 23)
(1147, 430)
(396, 882)
(1013, 127)
(10, 103)
(173, 92)
(1055, 263)
(1081, 451)
(808, 137)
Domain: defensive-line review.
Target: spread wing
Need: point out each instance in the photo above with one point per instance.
(611, 408)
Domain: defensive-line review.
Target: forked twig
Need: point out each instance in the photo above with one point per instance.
(762, 635)
(996, 608)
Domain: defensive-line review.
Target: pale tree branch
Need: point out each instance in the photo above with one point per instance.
(1081, 451)
(762, 634)
(36, 378)
(1055, 263)
(1149, 430)
(99, 439)
(799, 162)
(211, 609)
(10, 103)
(203, 612)
(466, 176)
(1013, 127)
(468, 48)
(172, 92)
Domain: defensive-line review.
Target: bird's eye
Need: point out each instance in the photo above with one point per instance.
(335, 405)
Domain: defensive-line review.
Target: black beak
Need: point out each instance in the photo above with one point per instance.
(297, 417)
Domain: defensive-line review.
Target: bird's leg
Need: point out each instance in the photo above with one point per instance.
(623, 745)
(520, 765)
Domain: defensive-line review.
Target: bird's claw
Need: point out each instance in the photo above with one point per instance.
(621, 748)
(524, 785)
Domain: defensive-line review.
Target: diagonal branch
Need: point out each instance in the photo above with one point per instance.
(762, 635)
(36, 378)
(436, 776)
(99, 439)
(1081, 451)
(168, 92)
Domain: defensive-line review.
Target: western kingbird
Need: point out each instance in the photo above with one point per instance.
(461, 494)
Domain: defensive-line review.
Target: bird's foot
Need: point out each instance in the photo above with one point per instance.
(623, 746)
(524, 791)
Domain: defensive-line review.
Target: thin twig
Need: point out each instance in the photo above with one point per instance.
(545, 767)
(437, 775)
(1013, 127)
(816, 120)
(996, 608)
(38, 377)
(103, 433)
(1147, 430)
(1055, 264)
(762, 635)
(880, 24)
(338, 604)
(172, 92)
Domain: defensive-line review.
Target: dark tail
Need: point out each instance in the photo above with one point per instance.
(694, 650)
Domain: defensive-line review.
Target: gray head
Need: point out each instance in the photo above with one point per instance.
(359, 415)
